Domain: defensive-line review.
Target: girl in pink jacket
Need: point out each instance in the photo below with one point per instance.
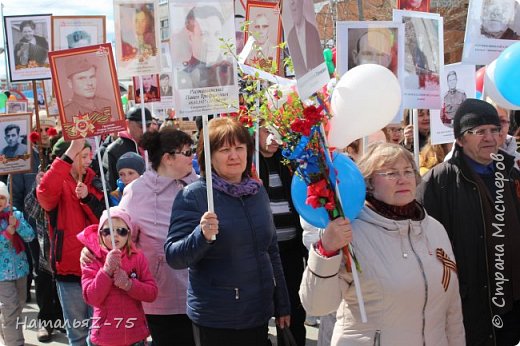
(116, 283)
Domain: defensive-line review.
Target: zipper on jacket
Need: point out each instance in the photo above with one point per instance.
(485, 247)
(424, 280)
(237, 294)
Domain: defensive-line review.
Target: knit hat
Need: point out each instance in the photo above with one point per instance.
(118, 212)
(473, 113)
(4, 191)
(62, 145)
(131, 160)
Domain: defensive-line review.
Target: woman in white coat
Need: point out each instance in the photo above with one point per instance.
(408, 275)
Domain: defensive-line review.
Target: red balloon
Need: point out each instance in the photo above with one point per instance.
(334, 55)
(480, 78)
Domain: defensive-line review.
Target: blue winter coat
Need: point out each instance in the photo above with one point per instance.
(12, 265)
(237, 281)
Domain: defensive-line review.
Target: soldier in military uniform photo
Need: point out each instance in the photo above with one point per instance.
(452, 99)
(82, 80)
(207, 66)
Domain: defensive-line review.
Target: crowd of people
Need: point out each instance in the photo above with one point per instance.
(436, 242)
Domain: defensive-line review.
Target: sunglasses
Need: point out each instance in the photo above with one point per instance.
(123, 232)
(186, 153)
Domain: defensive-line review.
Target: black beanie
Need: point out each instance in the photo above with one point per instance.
(473, 113)
(131, 160)
(62, 145)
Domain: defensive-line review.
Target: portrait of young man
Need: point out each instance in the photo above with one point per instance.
(14, 147)
(207, 65)
(82, 80)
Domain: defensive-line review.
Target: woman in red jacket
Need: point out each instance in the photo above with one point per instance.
(69, 194)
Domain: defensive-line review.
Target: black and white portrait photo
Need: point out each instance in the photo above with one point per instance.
(15, 149)
(28, 42)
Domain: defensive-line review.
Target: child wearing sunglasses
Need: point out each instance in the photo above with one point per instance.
(116, 282)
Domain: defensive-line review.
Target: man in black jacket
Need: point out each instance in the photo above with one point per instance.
(276, 179)
(475, 195)
(127, 141)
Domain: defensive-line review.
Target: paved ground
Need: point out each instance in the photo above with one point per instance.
(31, 310)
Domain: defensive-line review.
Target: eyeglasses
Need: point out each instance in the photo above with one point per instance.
(187, 152)
(482, 132)
(394, 175)
(123, 232)
(394, 129)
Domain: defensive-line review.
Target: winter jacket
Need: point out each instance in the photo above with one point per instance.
(149, 201)
(237, 281)
(124, 144)
(118, 315)
(14, 265)
(401, 281)
(68, 215)
(450, 194)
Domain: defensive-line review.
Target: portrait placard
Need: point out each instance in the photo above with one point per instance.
(87, 91)
(205, 73)
(458, 83)
(137, 37)
(151, 88)
(423, 58)
(303, 39)
(15, 148)
(265, 25)
(77, 31)
(19, 106)
(166, 92)
(28, 40)
(370, 42)
(491, 27)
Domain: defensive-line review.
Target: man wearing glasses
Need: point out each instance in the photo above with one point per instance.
(476, 195)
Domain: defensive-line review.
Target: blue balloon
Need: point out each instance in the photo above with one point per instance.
(479, 95)
(351, 186)
(507, 74)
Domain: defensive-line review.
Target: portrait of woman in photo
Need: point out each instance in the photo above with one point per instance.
(31, 50)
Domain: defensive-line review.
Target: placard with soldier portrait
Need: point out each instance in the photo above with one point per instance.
(138, 41)
(15, 147)
(77, 31)
(205, 71)
(28, 39)
(87, 91)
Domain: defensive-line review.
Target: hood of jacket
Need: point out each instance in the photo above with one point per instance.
(157, 183)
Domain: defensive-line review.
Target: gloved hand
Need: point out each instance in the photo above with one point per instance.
(122, 280)
(112, 262)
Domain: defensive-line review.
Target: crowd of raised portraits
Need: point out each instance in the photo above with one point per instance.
(175, 271)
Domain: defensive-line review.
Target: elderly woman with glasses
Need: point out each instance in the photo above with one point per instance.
(236, 280)
(408, 275)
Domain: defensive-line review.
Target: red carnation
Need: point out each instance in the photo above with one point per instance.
(34, 137)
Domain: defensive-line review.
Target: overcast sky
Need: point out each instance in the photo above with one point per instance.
(58, 8)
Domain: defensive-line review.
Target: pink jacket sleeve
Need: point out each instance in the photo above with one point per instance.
(144, 287)
(51, 186)
(95, 283)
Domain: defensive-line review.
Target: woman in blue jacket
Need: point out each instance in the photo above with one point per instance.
(236, 282)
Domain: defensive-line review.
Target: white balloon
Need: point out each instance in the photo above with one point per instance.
(364, 101)
(491, 91)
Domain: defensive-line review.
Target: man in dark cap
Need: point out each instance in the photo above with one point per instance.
(128, 141)
(475, 195)
(82, 79)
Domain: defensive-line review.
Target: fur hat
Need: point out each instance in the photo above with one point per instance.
(131, 160)
(473, 113)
